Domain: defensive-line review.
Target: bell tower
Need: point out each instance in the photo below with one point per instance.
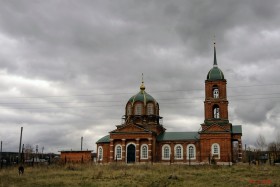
(216, 103)
(216, 131)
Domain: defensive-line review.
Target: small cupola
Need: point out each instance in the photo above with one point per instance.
(142, 103)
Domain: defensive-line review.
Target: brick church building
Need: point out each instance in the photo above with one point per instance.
(142, 138)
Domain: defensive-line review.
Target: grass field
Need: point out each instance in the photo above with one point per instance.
(141, 175)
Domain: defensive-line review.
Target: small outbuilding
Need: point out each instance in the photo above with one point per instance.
(76, 156)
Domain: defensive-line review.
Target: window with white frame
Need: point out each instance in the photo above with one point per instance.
(118, 152)
(100, 153)
(191, 152)
(166, 152)
(144, 151)
(216, 111)
(215, 92)
(178, 149)
(216, 150)
(138, 109)
(150, 109)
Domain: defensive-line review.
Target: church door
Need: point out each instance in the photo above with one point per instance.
(131, 153)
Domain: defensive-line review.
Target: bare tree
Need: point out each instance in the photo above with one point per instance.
(278, 141)
(261, 143)
(272, 146)
(28, 151)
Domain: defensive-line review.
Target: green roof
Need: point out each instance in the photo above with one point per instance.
(105, 139)
(237, 129)
(143, 97)
(178, 136)
(215, 74)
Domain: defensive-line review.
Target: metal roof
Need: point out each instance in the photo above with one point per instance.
(178, 136)
(237, 129)
(104, 139)
(142, 96)
(171, 136)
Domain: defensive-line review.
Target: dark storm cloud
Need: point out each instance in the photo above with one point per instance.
(67, 68)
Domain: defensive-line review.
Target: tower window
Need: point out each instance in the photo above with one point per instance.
(138, 109)
(216, 111)
(215, 92)
(216, 150)
(150, 109)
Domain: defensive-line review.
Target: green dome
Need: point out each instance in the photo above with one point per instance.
(142, 96)
(215, 74)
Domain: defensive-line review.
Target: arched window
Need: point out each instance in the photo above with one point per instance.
(100, 153)
(129, 108)
(216, 111)
(191, 152)
(178, 149)
(118, 152)
(215, 91)
(166, 152)
(144, 151)
(150, 109)
(215, 150)
(138, 109)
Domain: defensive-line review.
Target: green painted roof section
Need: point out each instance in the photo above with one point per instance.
(105, 139)
(237, 129)
(141, 96)
(178, 136)
(215, 74)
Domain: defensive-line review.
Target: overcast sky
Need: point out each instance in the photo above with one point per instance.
(68, 67)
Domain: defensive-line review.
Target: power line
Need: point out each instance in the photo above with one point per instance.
(118, 101)
(124, 93)
(105, 106)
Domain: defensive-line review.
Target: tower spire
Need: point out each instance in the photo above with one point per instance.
(215, 58)
(142, 87)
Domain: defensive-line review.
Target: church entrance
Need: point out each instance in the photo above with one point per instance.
(130, 153)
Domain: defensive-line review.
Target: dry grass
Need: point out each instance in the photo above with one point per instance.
(141, 175)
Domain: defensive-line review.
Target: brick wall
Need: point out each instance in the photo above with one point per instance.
(75, 156)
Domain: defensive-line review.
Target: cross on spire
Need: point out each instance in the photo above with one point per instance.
(142, 87)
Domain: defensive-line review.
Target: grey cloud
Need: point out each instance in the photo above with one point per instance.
(91, 49)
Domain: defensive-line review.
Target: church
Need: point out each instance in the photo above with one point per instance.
(142, 138)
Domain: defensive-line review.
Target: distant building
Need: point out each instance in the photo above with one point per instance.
(9, 158)
(142, 138)
(75, 156)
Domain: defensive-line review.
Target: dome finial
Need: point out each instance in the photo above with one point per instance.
(215, 59)
(142, 87)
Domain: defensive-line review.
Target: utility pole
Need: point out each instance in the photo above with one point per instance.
(81, 143)
(42, 152)
(22, 154)
(19, 151)
(37, 147)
